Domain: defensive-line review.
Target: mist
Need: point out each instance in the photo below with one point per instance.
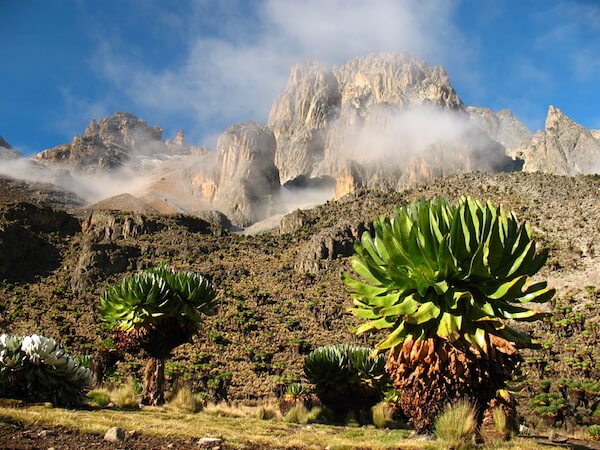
(90, 187)
(391, 136)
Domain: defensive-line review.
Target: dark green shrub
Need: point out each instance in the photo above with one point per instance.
(346, 377)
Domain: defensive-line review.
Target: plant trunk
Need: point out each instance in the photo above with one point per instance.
(431, 373)
(154, 380)
(102, 361)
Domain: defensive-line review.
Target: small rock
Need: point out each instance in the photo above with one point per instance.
(50, 448)
(211, 443)
(46, 433)
(115, 434)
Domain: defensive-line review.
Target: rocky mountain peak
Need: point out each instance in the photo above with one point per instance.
(397, 78)
(317, 99)
(6, 151)
(564, 147)
(107, 144)
(4, 144)
(556, 120)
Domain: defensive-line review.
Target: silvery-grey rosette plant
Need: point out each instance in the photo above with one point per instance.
(34, 368)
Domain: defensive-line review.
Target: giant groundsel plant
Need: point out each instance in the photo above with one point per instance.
(35, 368)
(154, 311)
(447, 283)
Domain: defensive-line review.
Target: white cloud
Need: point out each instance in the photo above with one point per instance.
(237, 75)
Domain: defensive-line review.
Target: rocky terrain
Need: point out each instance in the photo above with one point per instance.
(562, 148)
(47, 194)
(280, 292)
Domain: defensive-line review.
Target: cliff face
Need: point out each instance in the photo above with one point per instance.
(240, 178)
(319, 102)
(247, 179)
(386, 121)
(300, 118)
(562, 148)
(107, 144)
(502, 126)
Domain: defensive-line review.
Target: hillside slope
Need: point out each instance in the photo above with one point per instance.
(281, 292)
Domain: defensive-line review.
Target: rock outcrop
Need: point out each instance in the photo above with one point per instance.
(107, 144)
(384, 121)
(502, 126)
(316, 98)
(562, 148)
(178, 146)
(246, 179)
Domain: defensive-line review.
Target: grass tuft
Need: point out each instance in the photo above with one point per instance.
(186, 401)
(300, 414)
(98, 398)
(126, 396)
(383, 415)
(456, 426)
(267, 412)
(500, 421)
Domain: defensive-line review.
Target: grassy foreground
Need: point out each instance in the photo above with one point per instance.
(236, 432)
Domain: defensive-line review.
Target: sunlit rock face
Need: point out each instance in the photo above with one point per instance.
(502, 126)
(383, 121)
(241, 178)
(107, 144)
(301, 117)
(562, 148)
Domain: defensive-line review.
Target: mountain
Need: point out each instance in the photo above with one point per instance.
(382, 121)
(562, 148)
(502, 126)
(107, 144)
(6, 151)
(240, 178)
(114, 141)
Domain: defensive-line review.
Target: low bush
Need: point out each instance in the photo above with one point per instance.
(594, 432)
(34, 368)
(456, 426)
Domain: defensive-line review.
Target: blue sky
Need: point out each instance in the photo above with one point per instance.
(201, 65)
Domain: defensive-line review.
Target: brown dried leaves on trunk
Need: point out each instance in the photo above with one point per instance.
(432, 373)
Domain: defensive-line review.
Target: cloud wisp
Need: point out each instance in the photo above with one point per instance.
(236, 75)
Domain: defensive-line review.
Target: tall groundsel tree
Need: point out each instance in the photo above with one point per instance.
(154, 311)
(445, 283)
